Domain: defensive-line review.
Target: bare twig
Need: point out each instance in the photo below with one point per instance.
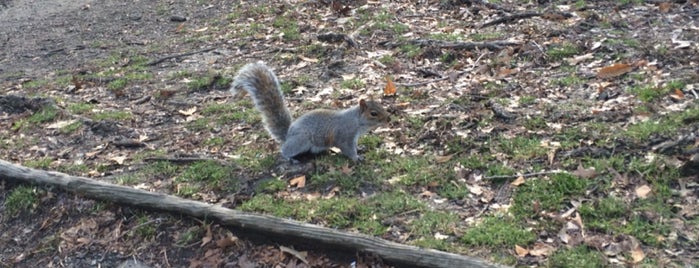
(548, 15)
(512, 18)
(492, 45)
(154, 62)
(527, 175)
(180, 160)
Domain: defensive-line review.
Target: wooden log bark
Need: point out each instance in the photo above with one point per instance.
(392, 252)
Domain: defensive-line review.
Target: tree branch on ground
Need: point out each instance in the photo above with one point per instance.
(390, 251)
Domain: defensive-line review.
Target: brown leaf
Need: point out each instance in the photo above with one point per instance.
(517, 182)
(118, 159)
(664, 7)
(614, 70)
(208, 237)
(507, 72)
(521, 252)
(553, 16)
(585, 173)
(637, 255)
(299, 181)
(475, 189)
(301, 255)
(227, 241)
(643, 191)
(541, 249)
(76, 82)
(189, 111)
(443, 158)
(346, 169)
(390, 88)
(678, 95)
(337, 7)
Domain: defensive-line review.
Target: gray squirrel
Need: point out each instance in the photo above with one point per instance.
(315, 131)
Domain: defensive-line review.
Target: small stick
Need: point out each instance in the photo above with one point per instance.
(526, 175)
(151, 63)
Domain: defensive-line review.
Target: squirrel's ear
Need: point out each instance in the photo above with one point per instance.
(362, 104)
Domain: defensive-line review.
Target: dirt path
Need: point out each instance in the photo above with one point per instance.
(39, 37)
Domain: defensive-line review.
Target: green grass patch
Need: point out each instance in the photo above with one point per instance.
(128, 179)
(20, 199)
(117, 84)
(578, 257)
(199, 124)
(567, 81)
(289, 28)
(354, 83)
(341, 212)
(191, 235)
(75, 169)
(41, 163)
(522, 148)
(497, 233)
(410, 50)
(72, 127)
(46, 114)
(227, 113)
(205, 171)
(208, 81)
(112, 115)
(549, 194)
(649, 93)
(535, 123)
(271, 185)
(80, 108)
(527, 100)
(562, 51)
(145, 227)
(485, 36)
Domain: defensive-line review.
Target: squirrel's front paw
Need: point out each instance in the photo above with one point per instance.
(359, 158)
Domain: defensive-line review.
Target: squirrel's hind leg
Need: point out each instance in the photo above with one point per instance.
(294, 145)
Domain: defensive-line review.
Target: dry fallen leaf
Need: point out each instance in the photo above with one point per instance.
(637, 255)
(678, 94)
(301, 255)
(390, 88)
(118, 159)
(299, 181)
(227, 241)
(643, 191)
(346, 169)
(585, 173)
(614, 70)
(541, 249)
(664, 7)
(517, 182)
(475, 189)
(208, 237)
(440, 236)
(188, 112)
(314, 60)
(60, 124)
(521, 252)
(443, 158)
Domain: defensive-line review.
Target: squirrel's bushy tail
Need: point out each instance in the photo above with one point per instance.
(263, 86)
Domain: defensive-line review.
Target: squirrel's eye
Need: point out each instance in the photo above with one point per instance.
(373, 113)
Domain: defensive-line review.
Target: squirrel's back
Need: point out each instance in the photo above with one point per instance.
(263, 86)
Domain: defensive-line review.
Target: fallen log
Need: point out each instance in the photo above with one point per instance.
(392, 252)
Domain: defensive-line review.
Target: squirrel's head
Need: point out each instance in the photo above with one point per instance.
(373, 111)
